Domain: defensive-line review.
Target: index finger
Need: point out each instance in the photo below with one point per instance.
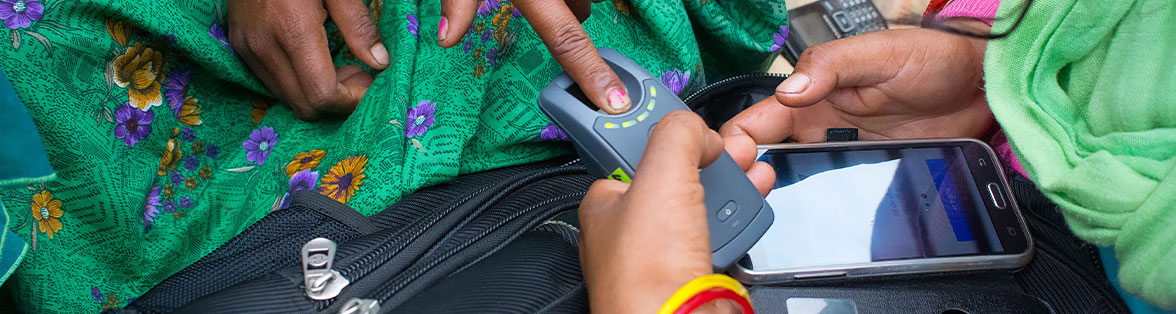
(315, 70)
(570, 45)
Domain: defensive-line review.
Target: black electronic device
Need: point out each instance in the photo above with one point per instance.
(828, 20)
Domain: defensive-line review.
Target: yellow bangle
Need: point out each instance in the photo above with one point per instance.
(699, 285)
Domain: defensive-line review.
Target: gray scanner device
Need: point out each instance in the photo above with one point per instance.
(737, 215)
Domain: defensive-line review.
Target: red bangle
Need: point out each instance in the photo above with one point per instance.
(711, 295)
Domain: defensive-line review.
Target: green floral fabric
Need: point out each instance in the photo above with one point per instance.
(166, 146)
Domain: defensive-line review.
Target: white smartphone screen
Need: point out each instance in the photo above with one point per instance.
(858, 206)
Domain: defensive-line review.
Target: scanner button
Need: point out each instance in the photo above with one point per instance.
(628, 123)
(610, 125)
(997, 198)
(650, 105)
(642, 116)
(652, 92)
(727, 211)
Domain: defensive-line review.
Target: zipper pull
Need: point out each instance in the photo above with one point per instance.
(322, 282)
(360, 306)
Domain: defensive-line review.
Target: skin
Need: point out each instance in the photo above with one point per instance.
(286, 47)
(640, 242)
(643, 241)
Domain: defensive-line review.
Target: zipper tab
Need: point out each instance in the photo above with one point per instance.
(360, 306)
(322, 282)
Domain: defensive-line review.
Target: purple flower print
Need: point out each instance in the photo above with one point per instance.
(186, 202)
(487, 34)
(211, 150)
(96, 294)
(469, 45)
(420, 118)
(169, 206)
(177, 178)
(218, 32)
(492, 55)
(676, 80)
(20, 13)
(188, 135)
(778, 38)
(302, 181)
(150, 210)
(176, 88)
(259, 144)
(133, 124)
(412, 24)
(552, 132)
(190, 163)
(488, 7)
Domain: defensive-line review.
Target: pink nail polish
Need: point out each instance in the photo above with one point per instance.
(443, 29)
(618, 99)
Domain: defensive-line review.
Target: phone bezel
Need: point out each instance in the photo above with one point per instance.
(1018, 245)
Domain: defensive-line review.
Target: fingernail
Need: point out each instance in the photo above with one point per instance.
(795, 84)
(618, 100)
(380, 53)
(443, 29)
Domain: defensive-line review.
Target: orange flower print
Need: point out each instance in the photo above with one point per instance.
(119, 31)
(205, 173)
(189, 113)
(168, 191)
(140, 71)
(46, 211)
(303, 161)
(377, 9)
(171, 157)
(260, 107)
(341, 182)
(190, 183)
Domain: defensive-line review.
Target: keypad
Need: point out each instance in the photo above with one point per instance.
(858, 16)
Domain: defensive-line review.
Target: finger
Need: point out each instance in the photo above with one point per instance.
(599, 205)
(582, 9)
(679, 146)
(767, 122)
(285, 81)
(456, 18)
(763, 176)
(315, 71)
(742, 149)
(839, 63)
(359, 30)
(263, 73)
(570, 45)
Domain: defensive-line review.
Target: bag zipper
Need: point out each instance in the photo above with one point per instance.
(734, 79)
(399, 240)
(560, 203)
(319, 279)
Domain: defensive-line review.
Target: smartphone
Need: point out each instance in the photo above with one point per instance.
(873, 208)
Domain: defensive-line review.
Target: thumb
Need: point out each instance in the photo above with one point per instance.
(360, 31)
(861, 60)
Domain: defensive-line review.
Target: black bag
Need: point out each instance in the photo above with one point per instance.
(505, 241)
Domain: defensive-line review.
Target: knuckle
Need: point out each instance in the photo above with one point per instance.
(571, 42)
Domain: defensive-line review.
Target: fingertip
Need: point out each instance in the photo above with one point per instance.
(763, 176)
(796, 83)
(443, 30)
(742, 149)
(618, 101)
(380, 55)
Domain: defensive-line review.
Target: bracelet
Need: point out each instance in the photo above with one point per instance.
(715, 294)
(698, 291)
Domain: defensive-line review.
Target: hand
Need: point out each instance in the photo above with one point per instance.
(557, 22)
(643, 241)
(889, 84)
(285, 44)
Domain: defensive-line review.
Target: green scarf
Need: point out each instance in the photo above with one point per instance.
(1086, 91)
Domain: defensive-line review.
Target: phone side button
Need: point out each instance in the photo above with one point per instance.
(997, 198)
(824, 274)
